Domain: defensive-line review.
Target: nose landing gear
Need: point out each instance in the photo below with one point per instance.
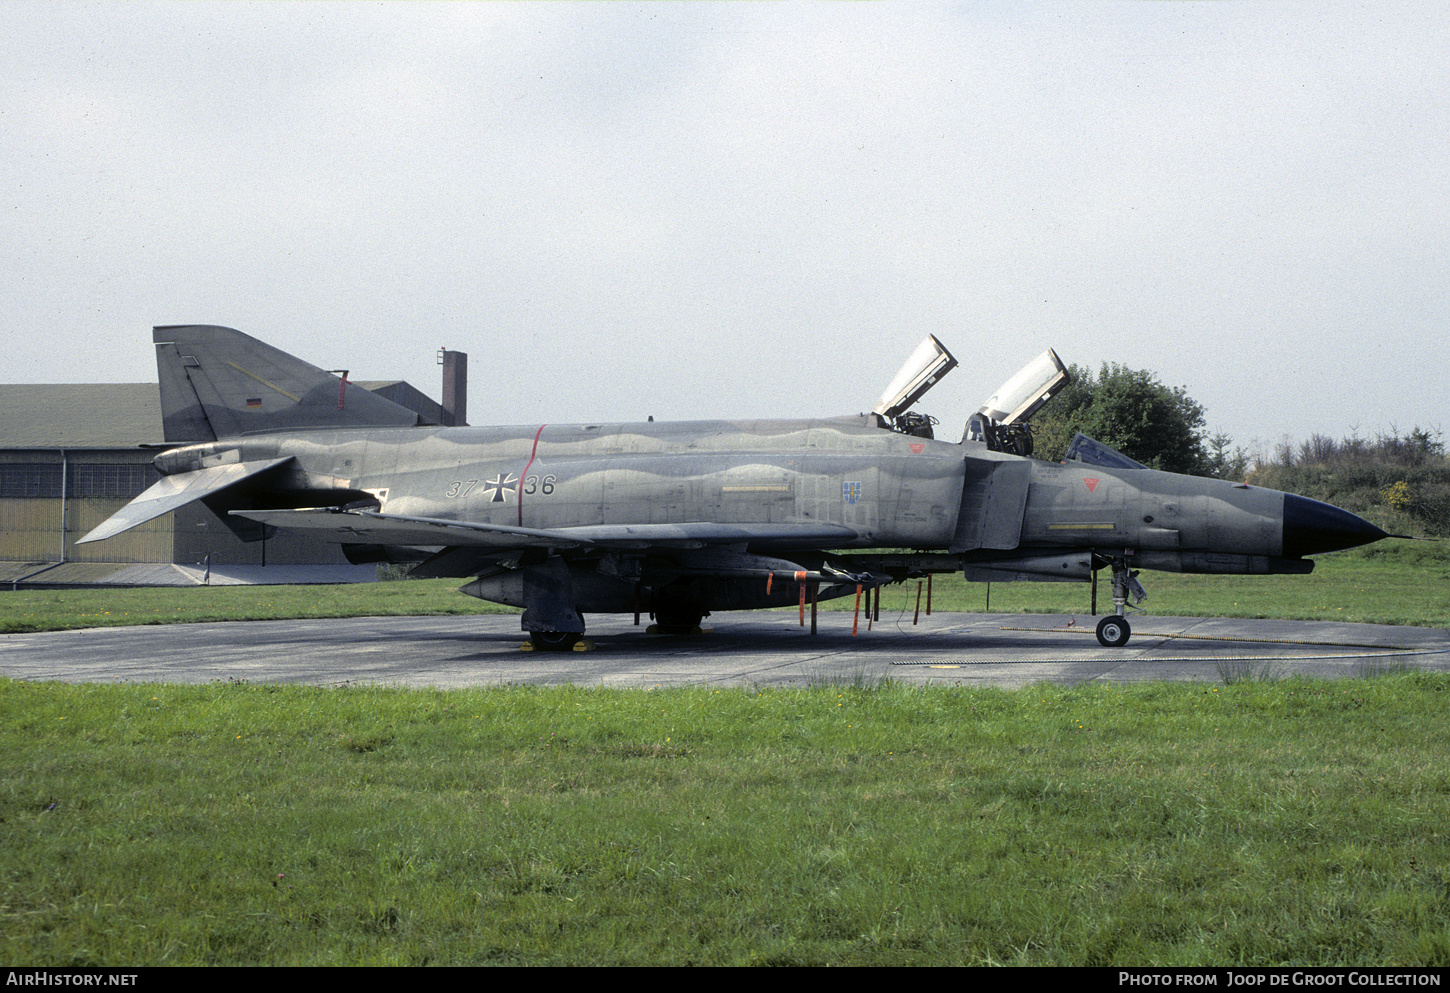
(1114, 629)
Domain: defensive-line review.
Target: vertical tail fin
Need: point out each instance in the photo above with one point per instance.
(218, 383)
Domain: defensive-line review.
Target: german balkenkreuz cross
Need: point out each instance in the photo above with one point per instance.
(498, 488)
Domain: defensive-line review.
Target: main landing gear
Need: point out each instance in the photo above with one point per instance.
(554, 641)
(670, 619)
(1114, 630)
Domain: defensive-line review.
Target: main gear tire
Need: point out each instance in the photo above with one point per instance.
(678, 620)
(554, 641)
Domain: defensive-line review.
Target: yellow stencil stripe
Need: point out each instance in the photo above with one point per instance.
(270, 386)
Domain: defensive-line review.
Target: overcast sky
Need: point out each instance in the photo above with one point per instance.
(743, 210)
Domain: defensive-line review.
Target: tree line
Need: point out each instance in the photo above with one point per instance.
(1399, 480)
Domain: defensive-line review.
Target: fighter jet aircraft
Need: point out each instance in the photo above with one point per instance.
(681, 519)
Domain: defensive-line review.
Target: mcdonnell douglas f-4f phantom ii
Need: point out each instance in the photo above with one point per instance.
(681, 519)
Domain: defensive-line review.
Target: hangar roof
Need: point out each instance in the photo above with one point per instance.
(88, 415)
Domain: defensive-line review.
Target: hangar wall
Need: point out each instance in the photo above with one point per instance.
(51, 497)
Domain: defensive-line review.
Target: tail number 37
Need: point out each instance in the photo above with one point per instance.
(532, 485)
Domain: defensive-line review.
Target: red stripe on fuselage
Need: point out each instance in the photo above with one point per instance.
(523, 476)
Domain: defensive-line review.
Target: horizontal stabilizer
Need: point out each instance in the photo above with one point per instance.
(370, 527)
(176, 491)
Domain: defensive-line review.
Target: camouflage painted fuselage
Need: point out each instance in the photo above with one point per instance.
(947, 506)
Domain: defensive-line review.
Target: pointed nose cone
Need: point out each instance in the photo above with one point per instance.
(1311, 527)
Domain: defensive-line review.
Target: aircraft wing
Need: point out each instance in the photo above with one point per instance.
(372, 527)
(701, 533)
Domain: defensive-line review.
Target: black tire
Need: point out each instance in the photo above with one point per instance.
(1113, 631)
(554, 641)
(675, 620)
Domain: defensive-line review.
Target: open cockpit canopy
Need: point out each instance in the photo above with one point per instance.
(1001, 422)
(926, 367)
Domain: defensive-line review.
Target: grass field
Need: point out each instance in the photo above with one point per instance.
(1410, 586)
(1260, 823)
(55, 610)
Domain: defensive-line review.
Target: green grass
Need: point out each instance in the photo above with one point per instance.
(1402, 583)
(1263, 823)
(55, 610)
(1343, 587)
(1266, 821)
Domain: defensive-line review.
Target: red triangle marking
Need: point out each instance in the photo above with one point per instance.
(1091, 484)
